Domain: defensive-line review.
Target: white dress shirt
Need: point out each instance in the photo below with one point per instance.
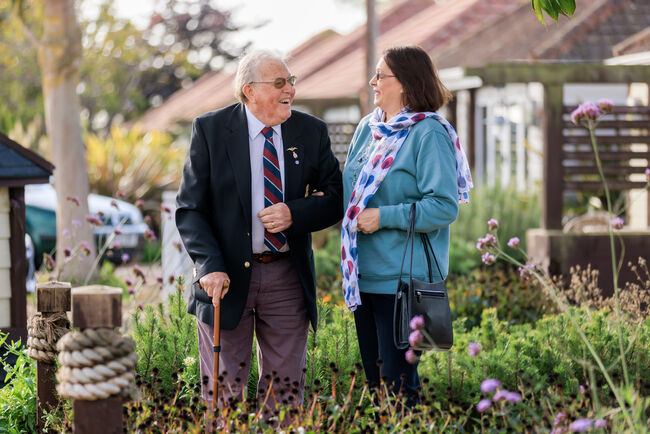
(256, 147)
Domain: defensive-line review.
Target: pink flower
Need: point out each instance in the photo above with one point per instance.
(85, 247)
(493, 224)
(117, 231)
(139, 203)
(131, 291)
(166, 208)
(411, 357)
(513, 397)
(600, 423)
(116, 244)
(120, 194)
(73, 199)
(474, 349)
(523, 271)
(617, 223)
(488, 258)
(490, 385)
(501, 394)
(415, 338)
(647, 173)
(580, 425)
(513, 242)
(486, 242)
(582, 389)
(606, 105)
(483, 405)
(93, 220)
(559, 418)
(417, 322)
(149, 235)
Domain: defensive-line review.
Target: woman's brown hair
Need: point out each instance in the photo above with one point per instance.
(413, 68)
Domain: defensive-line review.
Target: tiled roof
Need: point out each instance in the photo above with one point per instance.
(634, 44)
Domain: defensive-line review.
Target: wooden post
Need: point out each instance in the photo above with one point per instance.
(51, 298)
(553, 182)
(97, 306)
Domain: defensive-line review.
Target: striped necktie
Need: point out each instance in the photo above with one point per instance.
(272, 188)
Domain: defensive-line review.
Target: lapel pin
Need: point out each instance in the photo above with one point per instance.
(293, 154)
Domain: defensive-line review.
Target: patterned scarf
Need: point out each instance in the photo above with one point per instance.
(390, 137)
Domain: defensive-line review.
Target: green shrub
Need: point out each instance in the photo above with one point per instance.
(18, 398)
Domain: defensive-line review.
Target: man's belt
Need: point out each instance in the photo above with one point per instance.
(267, 257)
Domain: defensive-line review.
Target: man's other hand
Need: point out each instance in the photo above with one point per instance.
(216, 285)
(276, 218)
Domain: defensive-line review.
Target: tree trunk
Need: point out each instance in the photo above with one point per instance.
(60, 58)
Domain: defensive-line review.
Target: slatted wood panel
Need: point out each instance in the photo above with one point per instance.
(5, 260)
(623, 139)
(341, 135)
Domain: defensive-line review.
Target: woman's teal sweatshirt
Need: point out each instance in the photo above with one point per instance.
(424, 172)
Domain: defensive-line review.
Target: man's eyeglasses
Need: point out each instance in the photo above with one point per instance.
(279, 82)
(379, 76)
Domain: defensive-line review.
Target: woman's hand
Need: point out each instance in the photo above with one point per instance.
(368, 221)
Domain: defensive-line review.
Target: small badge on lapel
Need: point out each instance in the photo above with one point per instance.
(293, 154)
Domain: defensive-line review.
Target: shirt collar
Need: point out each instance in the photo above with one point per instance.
(255, 126)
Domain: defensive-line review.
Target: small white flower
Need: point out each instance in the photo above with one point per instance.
(189, 361)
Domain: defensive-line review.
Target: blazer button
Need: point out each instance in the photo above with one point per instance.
(248, 234)
(247, 264)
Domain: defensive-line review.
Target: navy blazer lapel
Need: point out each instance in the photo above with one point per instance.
(292, 165)
(237, 145)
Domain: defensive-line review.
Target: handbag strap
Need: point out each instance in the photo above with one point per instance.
(410, 235)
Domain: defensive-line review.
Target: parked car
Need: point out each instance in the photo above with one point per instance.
(40, 216)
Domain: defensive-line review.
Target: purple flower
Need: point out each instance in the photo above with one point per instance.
(580, 425)
(559, 418)
(417, 322)
(67, 252)
(117, 231)
(523, 271)
(501, 394)
(93, 220)
(483, 405)
(131, 291)
(513, 397)
(600, 423)
(116, 244)
(85, 247)
(149, 235)
(488, 258)
(582, 389)
(415, 338)
(486, 242)
(76, 223)
(606, 105)
(171, 279)
(411, 357)
(474, 349)
(490, 385)
(73, 199)
(159, 279)
(128, 282)
(493, 224)
(647, 173)
(125, 257)
(617, 223)
(513, 242)
(558, 430)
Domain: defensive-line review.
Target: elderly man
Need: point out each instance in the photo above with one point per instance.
(258, 179)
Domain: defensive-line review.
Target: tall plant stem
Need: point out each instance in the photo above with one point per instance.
(592, 134)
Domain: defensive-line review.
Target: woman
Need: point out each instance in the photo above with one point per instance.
(401, 153)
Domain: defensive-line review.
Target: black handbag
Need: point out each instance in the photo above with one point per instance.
(428, 299)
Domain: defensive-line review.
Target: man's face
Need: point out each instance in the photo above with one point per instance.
(270, 105)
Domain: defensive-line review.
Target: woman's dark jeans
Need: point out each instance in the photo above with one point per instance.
(374, 321)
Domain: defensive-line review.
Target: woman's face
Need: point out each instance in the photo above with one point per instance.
(388, 90)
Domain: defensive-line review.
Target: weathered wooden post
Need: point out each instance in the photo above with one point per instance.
(97, 363)
(45, 329)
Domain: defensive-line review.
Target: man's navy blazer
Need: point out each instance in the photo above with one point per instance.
(213, 212)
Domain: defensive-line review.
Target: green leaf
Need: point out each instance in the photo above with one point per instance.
(551, 8)
(568, 7)
(537, 8)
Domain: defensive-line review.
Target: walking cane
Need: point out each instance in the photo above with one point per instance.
(217, 349)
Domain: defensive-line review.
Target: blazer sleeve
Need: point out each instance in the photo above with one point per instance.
(313, 213)
(436, 180)
(193, 208)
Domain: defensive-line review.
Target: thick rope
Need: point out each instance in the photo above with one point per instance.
(96, 364)
(43, 334)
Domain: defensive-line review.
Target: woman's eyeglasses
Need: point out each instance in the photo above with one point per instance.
(379, 76)
(279, 82)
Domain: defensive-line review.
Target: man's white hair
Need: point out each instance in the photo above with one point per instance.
(249, 66)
